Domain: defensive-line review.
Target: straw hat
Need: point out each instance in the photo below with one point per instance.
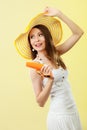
(54, 26)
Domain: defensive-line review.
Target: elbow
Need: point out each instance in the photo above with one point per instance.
(81, 33)
(40, 103)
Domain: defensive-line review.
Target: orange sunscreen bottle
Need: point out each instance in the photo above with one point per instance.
(34, 65)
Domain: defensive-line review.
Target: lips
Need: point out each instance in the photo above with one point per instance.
(38, 45)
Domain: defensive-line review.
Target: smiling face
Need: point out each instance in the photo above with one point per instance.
(40, 39)
(37, 39)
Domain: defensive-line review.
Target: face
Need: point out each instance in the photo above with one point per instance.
(37, 39)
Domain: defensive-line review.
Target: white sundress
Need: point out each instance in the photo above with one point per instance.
(63, 114)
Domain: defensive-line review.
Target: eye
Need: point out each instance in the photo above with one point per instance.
(41, 34)
(32, 36)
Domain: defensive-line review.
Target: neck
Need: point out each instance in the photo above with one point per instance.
(42, 54)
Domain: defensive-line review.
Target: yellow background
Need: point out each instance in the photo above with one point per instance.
(18, 108)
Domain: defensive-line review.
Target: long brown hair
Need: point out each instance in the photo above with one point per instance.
(52, 53)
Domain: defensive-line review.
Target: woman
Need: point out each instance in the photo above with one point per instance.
(51, 80)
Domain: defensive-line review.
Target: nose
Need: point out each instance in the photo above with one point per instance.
(36, 38)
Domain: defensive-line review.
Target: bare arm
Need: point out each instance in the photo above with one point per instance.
(75, 29)
(41, 93)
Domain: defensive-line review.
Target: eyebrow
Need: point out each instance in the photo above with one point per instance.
(37, 33)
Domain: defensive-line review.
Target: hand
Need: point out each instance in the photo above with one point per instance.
(51, 11)
(46, 71)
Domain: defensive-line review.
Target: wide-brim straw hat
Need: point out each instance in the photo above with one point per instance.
(52, 23)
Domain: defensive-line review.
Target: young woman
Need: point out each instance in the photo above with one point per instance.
(42, 40)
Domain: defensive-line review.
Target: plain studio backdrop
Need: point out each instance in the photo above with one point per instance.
(18, 108)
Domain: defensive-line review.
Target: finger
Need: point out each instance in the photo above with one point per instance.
(47, 71)
(49, 74)
(44, 67)
(46, 11)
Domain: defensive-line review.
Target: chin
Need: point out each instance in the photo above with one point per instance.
(40, 49)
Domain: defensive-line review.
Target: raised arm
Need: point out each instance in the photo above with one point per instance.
(75, 29)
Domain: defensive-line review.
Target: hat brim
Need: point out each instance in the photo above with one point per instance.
(54, 26)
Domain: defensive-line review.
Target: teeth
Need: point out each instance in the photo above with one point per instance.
(38, 45)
